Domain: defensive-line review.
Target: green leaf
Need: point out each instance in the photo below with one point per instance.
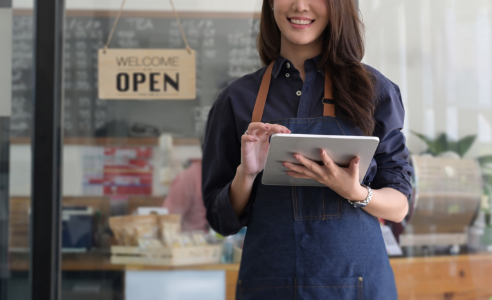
(441, 144)
(453, 146)
(430, 143)
(465, 144)
(484, 160)
(423, 137)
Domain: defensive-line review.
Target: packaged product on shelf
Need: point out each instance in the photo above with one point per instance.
(184, 240)
(128, 229)
(146, 227)
(175, 243)
(170, 227)
(150, 244)
(198, 238)
(118, 232)
(128, 233)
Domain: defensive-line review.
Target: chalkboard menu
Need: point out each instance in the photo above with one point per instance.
(226, 50)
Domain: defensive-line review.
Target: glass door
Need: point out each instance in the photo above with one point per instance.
(16, 92)
(132, 166)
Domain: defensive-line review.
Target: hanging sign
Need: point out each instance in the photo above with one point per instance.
(147, 74)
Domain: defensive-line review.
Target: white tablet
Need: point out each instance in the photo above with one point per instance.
(341, 148)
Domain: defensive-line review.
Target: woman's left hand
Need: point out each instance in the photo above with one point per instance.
(344, 181)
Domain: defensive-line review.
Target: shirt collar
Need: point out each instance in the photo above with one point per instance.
(280, 61)
(277, 66)
(317, 59)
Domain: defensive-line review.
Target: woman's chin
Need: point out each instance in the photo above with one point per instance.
(300, 41)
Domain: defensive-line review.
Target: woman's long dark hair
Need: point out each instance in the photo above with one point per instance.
(353, 85)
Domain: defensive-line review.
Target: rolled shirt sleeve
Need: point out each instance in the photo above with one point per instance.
(390, 166)
(221, 157)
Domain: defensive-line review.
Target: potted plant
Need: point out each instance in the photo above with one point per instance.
(442, 146)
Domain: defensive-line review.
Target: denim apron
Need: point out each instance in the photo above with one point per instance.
(309, 242)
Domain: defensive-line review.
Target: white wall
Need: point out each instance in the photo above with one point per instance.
(439, 53)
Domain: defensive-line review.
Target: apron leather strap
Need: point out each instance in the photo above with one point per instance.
(328, 110)
(262, 94)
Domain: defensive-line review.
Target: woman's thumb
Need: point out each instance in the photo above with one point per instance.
(354, 167)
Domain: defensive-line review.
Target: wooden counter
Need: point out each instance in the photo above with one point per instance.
(70, 262)
(444, 277)
(441, 277)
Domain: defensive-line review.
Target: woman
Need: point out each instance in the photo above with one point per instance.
(307, 242)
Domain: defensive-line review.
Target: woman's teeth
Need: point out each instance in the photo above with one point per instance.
(301, 22)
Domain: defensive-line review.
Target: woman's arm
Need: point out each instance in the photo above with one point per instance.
(230, 166)
(240, 191)
(254, 149)
(221, 156)
(386, 203)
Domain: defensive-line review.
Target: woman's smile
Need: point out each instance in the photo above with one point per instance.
(300, 22)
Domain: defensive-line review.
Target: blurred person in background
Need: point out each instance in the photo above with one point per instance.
(185, 198)
(308, 242)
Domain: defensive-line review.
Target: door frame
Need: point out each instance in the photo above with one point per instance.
(47, 139)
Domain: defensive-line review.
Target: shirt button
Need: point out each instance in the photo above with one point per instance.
(288, 65)
(298, 93)
(287, 75)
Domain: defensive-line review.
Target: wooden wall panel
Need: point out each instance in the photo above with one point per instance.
(231, 279)
(448, 277)
(430, 278)
(19, 223)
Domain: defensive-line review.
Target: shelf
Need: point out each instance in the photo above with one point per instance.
(98, 261)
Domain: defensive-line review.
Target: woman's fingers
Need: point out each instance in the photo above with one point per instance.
(327, 161)
(329, 174)
(297, 175)
(301, 170)
(354, 168)
(309, 164)
(249, 138)
(275, 128)
(262, 129)
(257, 128)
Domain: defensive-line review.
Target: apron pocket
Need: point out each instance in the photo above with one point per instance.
(265, 289)
(316, 203)
(311, 288)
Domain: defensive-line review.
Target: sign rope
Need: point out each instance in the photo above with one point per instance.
(118, 18)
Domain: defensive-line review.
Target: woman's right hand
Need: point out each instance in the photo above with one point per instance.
(254, 146)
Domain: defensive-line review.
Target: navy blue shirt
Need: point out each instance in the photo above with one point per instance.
(290, 97)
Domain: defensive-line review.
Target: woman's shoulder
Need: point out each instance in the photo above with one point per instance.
(382, 84)
(389, 105)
